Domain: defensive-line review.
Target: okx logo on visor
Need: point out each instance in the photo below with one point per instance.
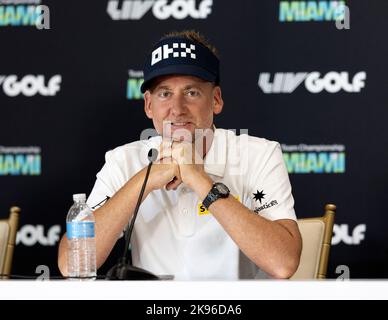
(181, 56)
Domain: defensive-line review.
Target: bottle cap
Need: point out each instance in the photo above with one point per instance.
(79, 197)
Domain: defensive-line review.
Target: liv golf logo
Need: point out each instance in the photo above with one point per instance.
(20, 161)
(161, 9)
(30, 85)
(314, 82)
(342, 233)
(305, 158)
(30, 235)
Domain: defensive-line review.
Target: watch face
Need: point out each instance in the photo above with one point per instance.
(221, 188)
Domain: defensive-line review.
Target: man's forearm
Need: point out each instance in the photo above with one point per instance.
(111, 220)
(113, 217)
(269, 244)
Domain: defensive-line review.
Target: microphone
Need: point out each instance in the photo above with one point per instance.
(124, 270)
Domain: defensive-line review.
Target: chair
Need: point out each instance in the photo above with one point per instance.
(8, 229)
(316, 236)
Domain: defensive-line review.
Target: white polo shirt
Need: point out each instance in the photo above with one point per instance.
(173, 233)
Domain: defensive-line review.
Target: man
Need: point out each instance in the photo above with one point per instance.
(216, 205)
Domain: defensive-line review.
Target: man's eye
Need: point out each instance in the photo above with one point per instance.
(192, 93)
(164, 94)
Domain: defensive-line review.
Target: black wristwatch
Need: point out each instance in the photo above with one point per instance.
(219, 190)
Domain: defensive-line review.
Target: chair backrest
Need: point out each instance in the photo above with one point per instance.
(316, 236)
(8, 230)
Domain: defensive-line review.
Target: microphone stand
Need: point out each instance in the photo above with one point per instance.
(124, 270)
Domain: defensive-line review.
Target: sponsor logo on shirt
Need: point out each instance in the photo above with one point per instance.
(101, 203)
(260, 195)
(266, 206)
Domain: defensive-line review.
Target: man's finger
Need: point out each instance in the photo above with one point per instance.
(183, 153)
(165, 149)
(174, 184)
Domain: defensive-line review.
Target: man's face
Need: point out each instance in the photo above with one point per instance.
(180, 103)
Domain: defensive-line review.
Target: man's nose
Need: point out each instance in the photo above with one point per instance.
(178, 105)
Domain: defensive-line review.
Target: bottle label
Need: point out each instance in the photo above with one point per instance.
(80, 229)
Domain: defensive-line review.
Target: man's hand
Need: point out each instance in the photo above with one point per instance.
(191, 164)
(164, 173)
(188, 167)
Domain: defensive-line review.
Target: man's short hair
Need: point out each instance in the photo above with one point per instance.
(193, 36)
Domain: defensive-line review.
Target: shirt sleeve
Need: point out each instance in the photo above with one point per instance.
(269, 186)
(108, 182)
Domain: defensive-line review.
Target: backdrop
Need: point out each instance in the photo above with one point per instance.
(291, 71)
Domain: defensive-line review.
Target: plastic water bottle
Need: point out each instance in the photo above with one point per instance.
(81, 244)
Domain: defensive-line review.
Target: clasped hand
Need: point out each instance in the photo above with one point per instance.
(178, 162)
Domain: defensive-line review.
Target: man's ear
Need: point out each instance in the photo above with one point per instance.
(147, 104)
(217, 100)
